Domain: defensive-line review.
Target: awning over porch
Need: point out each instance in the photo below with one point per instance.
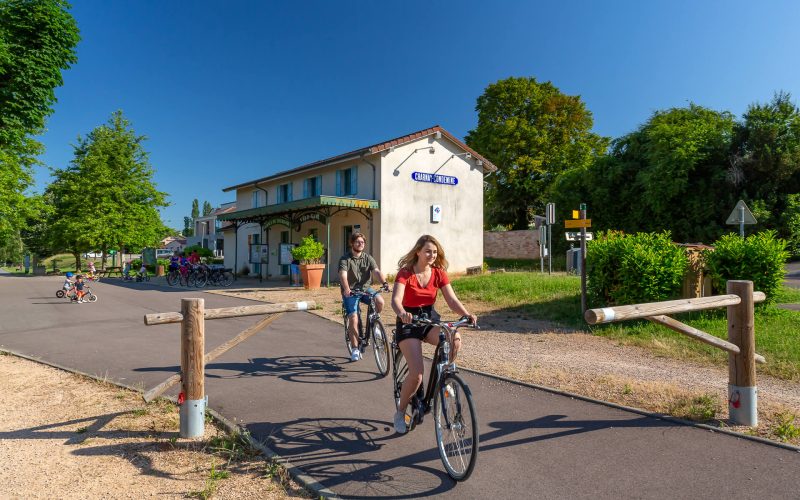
(294, 210)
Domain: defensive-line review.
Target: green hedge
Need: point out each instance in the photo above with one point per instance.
(633, 268)
(760, 258)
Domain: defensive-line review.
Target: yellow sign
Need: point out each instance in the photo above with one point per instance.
(576, 214)
(578, 223)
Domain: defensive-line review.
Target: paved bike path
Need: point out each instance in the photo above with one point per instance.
(293, 387)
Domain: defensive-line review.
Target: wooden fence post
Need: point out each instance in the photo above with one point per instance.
(742, 390)
(193, 409)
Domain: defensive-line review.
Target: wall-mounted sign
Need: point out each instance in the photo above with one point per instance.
(311, 216)
(434, 178)
(436, 213)
(277, 220)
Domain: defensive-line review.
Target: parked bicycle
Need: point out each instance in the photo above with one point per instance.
(455, 420)
(374, 331)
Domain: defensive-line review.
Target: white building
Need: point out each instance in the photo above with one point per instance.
(427, 182)
(208, 230)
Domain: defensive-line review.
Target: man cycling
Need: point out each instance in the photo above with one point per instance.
(356, 269)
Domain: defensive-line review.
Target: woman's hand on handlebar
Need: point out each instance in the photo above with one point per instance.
(406, 317)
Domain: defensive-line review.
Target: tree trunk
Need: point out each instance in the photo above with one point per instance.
(104, 256)
(77, 256)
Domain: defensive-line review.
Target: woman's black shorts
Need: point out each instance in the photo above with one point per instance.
(415, 332)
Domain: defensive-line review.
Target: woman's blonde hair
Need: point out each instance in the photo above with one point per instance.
(409, 259)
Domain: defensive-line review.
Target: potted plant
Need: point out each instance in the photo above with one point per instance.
(310, 253)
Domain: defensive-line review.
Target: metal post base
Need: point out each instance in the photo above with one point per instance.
(193, 417)
(743, 405)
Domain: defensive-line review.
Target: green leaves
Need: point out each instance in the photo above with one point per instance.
(532, 132)
(760, 258)
(631, 269)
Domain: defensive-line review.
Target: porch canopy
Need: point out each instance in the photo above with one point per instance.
(293, 214)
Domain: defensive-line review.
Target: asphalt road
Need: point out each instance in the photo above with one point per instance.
(292, 387)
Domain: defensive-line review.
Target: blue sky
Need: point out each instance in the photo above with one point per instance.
(231, 91)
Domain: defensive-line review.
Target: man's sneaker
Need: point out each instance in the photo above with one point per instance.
(355, 355)
(400, 426)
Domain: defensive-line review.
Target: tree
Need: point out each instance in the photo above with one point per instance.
(37, 42)
(195, 209)
(532, 132)
(207, 208)
(107, 193)
(671, 173)
(188, 230)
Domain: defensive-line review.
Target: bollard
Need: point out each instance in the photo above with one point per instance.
(193, 409)
(742, 390)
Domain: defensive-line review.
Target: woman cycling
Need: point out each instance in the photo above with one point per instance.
(422, 272)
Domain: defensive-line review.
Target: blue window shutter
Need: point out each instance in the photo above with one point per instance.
(305, 187)
(338, 183)
(289, 194)
(319, 185)
(354, 181)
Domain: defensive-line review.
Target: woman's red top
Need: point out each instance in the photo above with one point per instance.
(415, 295)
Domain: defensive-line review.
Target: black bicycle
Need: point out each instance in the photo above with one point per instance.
(455, 420)
(374, 331)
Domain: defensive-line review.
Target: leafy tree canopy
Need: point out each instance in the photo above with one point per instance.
(106, 198)
(532, 132)
(37, 42)
(207, 208)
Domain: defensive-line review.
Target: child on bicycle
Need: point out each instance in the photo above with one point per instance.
(422, 272)
(67, 286)
(356, 269)
(79, 285)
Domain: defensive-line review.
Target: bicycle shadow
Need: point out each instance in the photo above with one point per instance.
(328, 449)
(300, 369)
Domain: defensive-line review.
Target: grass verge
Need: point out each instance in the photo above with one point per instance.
(557, 298)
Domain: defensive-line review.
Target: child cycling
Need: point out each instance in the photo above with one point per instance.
(79, 285)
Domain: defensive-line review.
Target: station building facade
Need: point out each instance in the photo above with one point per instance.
(426, 182)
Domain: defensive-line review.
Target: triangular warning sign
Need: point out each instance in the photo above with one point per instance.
(738, 215)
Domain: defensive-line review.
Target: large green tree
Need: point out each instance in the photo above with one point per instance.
(672, 173)
(207, 208)
(532, 132)
(37, 42)
(106, 198)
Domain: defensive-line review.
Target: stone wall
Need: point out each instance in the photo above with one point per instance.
(511, 244)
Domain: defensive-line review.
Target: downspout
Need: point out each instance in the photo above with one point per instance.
(374, 193)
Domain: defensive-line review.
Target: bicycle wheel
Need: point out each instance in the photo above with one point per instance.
(60, 294)
(226, 279)
(91, 297)
(456, 426)
(380, 347)
(399, 375)
(346, 335)
(172, 278)
(191, 278)
(201, 280)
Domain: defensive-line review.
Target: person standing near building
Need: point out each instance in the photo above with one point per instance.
(356, 270)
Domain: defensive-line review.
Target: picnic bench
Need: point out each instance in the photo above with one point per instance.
(110, 271)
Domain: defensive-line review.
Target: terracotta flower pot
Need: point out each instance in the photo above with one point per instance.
(312, 275)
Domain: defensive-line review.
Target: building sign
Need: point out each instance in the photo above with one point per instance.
(434, 178)
(315, 216)
(277, 220)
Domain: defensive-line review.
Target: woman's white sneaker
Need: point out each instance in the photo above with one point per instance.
(400, 422)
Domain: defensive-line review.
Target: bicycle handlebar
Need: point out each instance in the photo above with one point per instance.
(360, 293)
(463, 321)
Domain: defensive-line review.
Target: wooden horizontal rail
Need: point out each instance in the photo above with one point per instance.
(231, 312)
(700, 335)
(638, 311)
(211, 356)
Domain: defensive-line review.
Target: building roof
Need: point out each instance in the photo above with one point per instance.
(315, 202)
(375, 148)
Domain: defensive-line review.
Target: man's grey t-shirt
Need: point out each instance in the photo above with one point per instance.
(359, 269)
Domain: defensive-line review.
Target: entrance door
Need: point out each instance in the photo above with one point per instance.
(284, 239)
(347, 232)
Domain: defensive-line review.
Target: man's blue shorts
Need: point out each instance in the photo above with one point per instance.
(350, 302)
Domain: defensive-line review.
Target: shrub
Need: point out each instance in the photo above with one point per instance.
(202, 252)
(635, 268)
(310, 251)
(760, 258)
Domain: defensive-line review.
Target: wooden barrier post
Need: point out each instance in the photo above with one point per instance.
(193, 409)
(742, 390)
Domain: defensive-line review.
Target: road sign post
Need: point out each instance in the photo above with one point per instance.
(551, 219)
(740, 216)
(583, 256)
